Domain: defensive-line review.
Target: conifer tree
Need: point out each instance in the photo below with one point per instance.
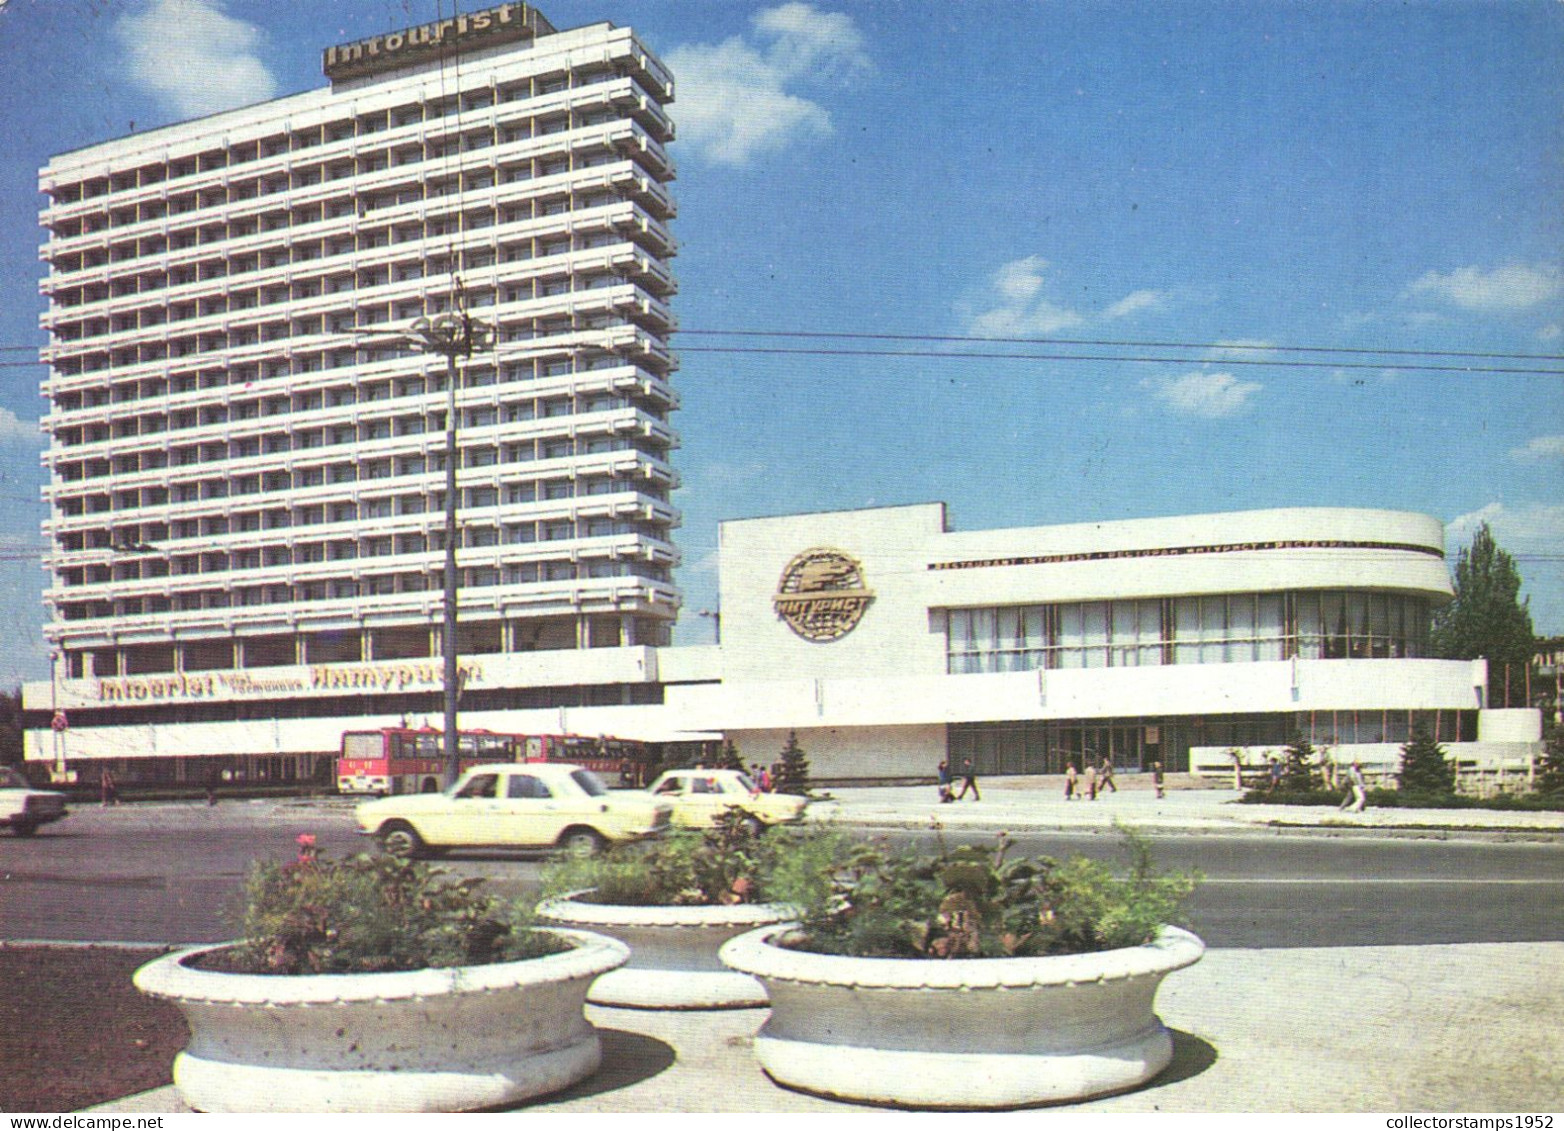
(1300, 768)
(1424, 768)
(793, 775)
(730, 757)
(1550, 775)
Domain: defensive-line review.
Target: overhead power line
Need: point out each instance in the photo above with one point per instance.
(990, 355)
(1245, 347)
(1223, 351)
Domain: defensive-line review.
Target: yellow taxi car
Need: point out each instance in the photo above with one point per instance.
(514, 805)
(699, 796)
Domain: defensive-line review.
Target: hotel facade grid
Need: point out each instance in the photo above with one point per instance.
(246, 480)
(245, 477)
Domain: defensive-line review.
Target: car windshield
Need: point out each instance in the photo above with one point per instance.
(589, 783)
(748, 783)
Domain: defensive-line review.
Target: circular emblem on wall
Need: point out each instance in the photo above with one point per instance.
(822, 596)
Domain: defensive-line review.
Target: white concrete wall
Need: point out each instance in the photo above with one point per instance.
(1512, 724)
(319, 736)
(851, 754)
(894, 637)
(1175, 689)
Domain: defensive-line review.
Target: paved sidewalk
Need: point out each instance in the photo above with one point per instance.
(1472, 1028)
(1038, 803)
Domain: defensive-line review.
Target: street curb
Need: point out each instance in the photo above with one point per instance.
(1538, 836)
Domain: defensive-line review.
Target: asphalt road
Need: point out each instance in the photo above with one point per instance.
(172, 874)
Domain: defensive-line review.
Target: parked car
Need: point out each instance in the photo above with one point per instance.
(698, 797)
(514, 805)
(22, 808)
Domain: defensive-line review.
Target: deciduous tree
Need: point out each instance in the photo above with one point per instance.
(1488, 617)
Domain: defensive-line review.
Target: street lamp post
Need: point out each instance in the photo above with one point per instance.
(450, 335)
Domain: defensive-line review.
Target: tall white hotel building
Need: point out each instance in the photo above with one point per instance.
(247, 488)
(242, 482)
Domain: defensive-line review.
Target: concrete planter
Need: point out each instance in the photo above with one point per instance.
(962, 1033)
(673, 952)
(419, 1041)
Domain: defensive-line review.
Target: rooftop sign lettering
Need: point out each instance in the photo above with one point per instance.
(504, 24)
(1180, 551)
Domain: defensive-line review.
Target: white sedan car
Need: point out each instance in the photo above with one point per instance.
(699, 796)
(514, 805)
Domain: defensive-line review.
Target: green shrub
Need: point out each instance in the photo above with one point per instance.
(370, 914)
(721, 865)
(1395, 799)
(973, 902)
(1425, 770)
(1295, 797)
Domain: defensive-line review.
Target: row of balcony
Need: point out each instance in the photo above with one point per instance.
(511, 239)
(193, 500)
(219, 396)
(225, 562)
(390, 235)
(208, 380)
(410, 609)
(232, 413)
(182, 242)
(323, 110)
(517, 328)
(298, 322)
(412, 431)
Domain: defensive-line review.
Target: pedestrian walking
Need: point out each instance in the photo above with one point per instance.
(1159, 780)
(1357, 797)
(969, 781)
(1071, 774)
(1107, 775)
(945, 783)
(1275, 771)
(1091, 781)
(108, 790)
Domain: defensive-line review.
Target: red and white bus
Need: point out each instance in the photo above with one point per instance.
(619, 761)
(403, 760)
(394, 760)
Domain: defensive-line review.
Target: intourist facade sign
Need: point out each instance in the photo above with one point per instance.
(179, 687)
(504, 24)
(822, 595)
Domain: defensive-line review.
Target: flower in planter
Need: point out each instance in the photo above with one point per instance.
(369, 914)
(973, 902)
(722, 865)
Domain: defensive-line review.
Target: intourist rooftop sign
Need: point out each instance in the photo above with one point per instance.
(504, 24)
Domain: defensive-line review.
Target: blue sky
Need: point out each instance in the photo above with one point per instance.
(1233, 177)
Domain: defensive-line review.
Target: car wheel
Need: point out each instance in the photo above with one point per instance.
(429, 786)
(581, 842)
(401, 841)
(24, 828)
(752, 827)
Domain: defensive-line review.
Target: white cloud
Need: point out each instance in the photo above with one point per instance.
(1242, 349)
(734, 98)
(1533, 528)
(1540, 447)
(194, 57)
(1135, 302)
(1550, 332)
(15, 430)
(1514, 287)
(1209, 395)
(1016, 307)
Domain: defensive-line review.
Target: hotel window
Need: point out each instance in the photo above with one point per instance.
(1224, 628)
